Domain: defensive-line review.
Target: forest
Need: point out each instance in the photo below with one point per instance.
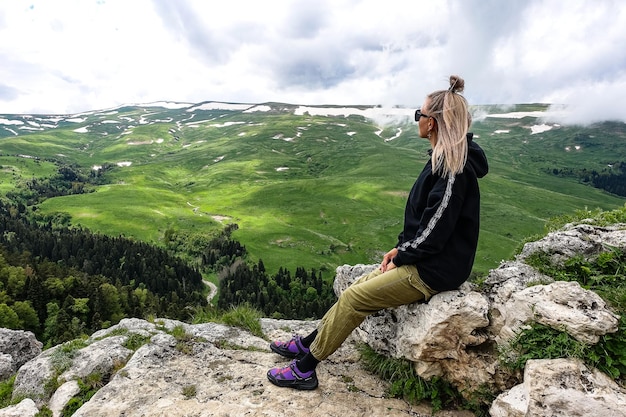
(611, 179)
(302, 296)
(61, 282)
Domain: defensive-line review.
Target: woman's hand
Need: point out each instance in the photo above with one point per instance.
(387, 263)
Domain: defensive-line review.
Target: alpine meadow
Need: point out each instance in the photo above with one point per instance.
(298, 187)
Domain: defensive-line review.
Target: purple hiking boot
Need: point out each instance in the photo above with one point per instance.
(291, 377)
(292, 349)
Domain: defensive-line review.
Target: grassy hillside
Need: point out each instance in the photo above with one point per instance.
(306, 190)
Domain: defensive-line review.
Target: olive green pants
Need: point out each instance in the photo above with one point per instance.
(367, 295)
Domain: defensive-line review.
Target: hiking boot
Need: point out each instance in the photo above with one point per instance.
(292, 349)
(291, 377)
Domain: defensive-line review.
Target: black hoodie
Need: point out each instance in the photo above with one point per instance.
(441, 223)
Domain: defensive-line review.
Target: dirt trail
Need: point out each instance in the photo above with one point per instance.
(213, 291)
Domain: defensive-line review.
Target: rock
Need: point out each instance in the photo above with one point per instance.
(430, 334)
(6, 366)
(512, 403)
(62, 396)
(562, 306)
(577, 239)
(100, 356)
(561, 387)
(504, 281)
(214, 379)
(20, 346)
(25, 408)
(440, 337)
(211, 370)
(345, 275)
(35, 376)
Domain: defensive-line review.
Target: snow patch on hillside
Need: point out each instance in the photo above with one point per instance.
(397, 135)
(165, 104)
(220, 106)
(517, 115)
(11, 122)
(540, 128)
(369, 112)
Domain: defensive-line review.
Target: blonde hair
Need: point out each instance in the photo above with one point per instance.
(450, 110)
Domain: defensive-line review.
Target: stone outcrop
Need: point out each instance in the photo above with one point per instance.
(457, 334)
(16, 348)
(170, 368)
(201, 370)
(561, 387)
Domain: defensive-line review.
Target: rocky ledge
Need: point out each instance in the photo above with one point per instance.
(169, 368)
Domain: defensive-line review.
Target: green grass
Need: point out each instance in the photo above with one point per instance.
(6, 391)
(242, 316)
(340, 201)
(15, 170)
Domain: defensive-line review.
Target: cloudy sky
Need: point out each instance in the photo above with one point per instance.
(67, 56)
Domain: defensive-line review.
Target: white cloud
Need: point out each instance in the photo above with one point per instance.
(69, 56)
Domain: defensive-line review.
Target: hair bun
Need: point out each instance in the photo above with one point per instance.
(457, 84)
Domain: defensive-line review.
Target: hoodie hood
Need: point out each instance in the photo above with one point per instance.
(476, 157)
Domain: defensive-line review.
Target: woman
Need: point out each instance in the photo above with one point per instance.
(435, 250)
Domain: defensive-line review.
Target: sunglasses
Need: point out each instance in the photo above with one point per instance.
(418, 114)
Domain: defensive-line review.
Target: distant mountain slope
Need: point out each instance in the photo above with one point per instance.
(311, 186)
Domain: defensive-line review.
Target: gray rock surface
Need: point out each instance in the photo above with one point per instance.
(16, 348)
(25, 408)
(577, 239)
(561, 387)
(62, 396)
(221, 372)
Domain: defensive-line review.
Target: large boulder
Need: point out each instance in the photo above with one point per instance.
(16, 348)
(437, 336)
(577, 239)
(36, 376)
(561, 387)
(560, 305)
(100, 356)
(25, 408)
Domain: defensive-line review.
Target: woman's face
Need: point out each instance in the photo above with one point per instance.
(424, 121)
